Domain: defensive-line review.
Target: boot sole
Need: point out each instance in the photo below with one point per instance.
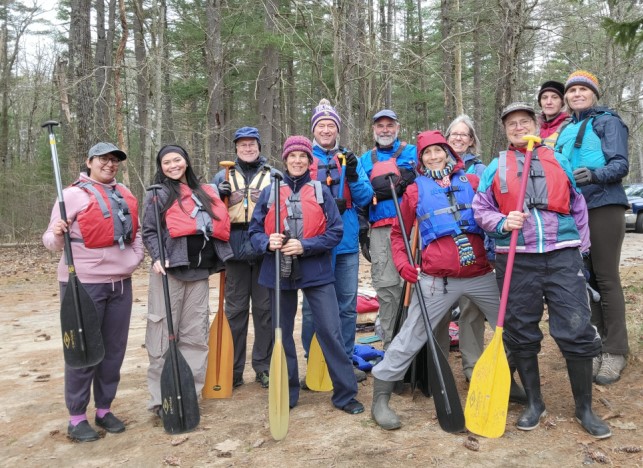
(531, 428)
(604, 436)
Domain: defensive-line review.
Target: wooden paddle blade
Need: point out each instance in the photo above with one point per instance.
(488, 399)
(317, 376)
(171, 414)
(278, 396)
(453, 420)
(75, 356)
(218, 376)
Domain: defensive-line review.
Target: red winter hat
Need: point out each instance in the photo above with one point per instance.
(297, 143)
(433, 137)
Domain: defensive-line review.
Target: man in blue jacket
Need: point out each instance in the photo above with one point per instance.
(355, 192)
(390, 155)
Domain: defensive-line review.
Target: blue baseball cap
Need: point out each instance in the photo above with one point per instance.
(385, 113)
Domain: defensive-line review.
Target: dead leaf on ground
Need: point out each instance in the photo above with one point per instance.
(611, 415)
(598, 456)
(472, 444)
(171, 460)
(258, 443)
(550, 424)
(628, 449)
(178, 440)
(221, 454)
(228, 445)
(42, 378)
(626, 426)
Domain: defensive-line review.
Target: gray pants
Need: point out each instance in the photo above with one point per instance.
(482, 290)
(471, 334)
(189, 303)
(386, 280)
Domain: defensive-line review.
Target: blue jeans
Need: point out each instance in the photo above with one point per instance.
(346, 280)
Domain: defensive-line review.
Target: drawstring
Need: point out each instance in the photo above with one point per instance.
(122, 285)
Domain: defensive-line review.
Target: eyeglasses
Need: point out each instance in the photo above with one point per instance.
(461, 136)
(247, 145)
(104, 160)
(524, 123)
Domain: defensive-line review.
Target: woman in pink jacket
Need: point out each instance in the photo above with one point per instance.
(106, 250)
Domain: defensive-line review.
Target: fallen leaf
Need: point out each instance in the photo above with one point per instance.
(178, 440)
(611, 415)
(258, 443)
(598, 456)
(629, 449)
(228, 445)
(221, 454)
(42, 378)
(627, 426)
(550, 424)
(172, 460)
(472, 443)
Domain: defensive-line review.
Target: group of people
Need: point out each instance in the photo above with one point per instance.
(464, 213)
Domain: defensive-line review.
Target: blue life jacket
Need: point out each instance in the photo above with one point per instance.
(580, 145)
(445, 211)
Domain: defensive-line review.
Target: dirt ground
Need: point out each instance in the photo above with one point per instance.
(235, 432)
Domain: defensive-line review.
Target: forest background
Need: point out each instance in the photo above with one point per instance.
(143, 73)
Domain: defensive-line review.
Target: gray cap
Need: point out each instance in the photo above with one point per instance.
(385, 113)
(102, 148)
(517, 106)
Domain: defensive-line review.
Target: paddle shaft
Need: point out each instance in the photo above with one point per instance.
(69, 259)
(420, 296)
(513, 243)
(168, 309)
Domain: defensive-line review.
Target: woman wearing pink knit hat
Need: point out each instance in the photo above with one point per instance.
(595, 143)
(312, 227)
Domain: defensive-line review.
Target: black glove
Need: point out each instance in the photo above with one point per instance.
(341, 205)
(584, 176)
(365, 244)
(351, 166)
(225, 189)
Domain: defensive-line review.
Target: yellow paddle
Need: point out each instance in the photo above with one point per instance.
(278, 408)
(317, 376)
(218, 375)
(485, 412)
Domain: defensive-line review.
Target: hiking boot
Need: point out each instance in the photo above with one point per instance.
(596, 365)
(237, 381)
(530, 376)
(384, 416)
(611, 367)
(353, 407)
(263, 379)
(82, 432)
(360, 375)
(302, 384)
(516, 392)
(580, 378)
(110, 423)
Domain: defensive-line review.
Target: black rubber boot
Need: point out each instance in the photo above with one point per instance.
(580, 378)
(516, 392)
(384, 416)
(530, 376)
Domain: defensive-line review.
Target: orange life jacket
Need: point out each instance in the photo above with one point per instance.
(189, 217)
(301, 214)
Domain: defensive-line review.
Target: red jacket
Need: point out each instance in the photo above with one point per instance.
(550, 127)
(439, 258)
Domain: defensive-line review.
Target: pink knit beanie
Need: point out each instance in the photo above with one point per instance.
(298, 143)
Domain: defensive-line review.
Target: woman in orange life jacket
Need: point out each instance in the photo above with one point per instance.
(195, 235)
(312, 228)
(106, 251)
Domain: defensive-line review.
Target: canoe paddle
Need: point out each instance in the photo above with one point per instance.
(278, 397)
(443, 388)
(178, 393)
(488, 398)
(218, 376)
(82, 338)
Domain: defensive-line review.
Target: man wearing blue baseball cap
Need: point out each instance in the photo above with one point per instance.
(390, 155)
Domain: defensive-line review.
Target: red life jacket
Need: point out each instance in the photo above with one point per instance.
(302, 214)
(110, 218)
(330, 174)
(189, 217)
(547, 188)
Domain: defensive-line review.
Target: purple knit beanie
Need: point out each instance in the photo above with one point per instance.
(298, 143)
(324, 111)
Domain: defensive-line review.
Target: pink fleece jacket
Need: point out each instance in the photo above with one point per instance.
(102, 265)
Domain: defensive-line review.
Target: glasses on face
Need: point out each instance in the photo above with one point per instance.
(247, 145)
(104, 160)
(523, 123)
(461, 136)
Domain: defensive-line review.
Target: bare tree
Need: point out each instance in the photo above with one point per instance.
(214, 63)
(268, 85)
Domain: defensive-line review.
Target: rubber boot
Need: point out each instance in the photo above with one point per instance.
(516, 392)
(384, 416)
(580, 378)
(530, 376)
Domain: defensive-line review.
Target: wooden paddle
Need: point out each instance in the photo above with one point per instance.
(441, 381)
(317, 376)
(178, 393)
(218, 376)
(488, 398)
(81, 334)
(278, 397)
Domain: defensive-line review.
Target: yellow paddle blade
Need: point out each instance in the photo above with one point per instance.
(486, 410)
(218, 376)
(278, 409)
(317, 376)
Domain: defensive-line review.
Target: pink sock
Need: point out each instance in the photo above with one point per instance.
(101, 412)
(76, 419)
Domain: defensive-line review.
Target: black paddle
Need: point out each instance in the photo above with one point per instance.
(178, 393)
(82, 339)
(445, 393)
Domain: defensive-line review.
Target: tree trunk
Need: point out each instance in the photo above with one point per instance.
(159, 12)
(448, 59)
(214, 62)
(268, 86)
(142, 92)
(457, 64)
(345, 61)
(423, 107)
(118, 94)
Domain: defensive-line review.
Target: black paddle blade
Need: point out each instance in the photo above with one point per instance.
(418, 373)
(452, 421)
(85, 334)
(179, 414)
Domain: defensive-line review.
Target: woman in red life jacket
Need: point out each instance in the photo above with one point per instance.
(106, 246)
(195, 228)
(312, 227)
